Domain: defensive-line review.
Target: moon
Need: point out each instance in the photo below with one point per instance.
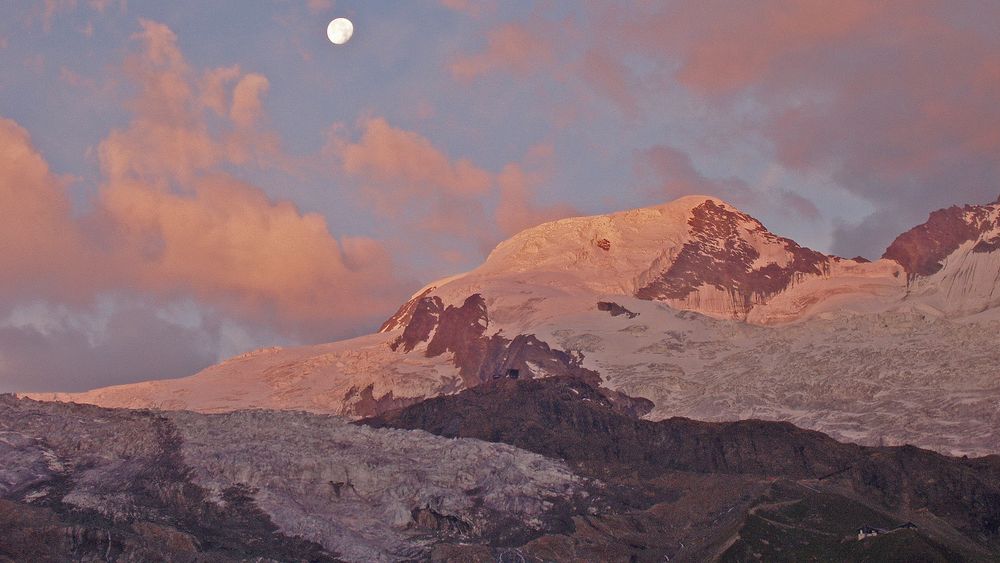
(340, 31)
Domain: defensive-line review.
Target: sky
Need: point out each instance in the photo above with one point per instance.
(185, 181)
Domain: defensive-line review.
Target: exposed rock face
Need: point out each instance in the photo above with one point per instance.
(421, 318)
(405, 313)
(951, 260)
(987, 245)
(116, 485)
(565, 418)
(558, 417)
(921, 249)
(615, 309)
(364, 403)
(725, 253)
(480, 359)
(854, 349)
(462, 332)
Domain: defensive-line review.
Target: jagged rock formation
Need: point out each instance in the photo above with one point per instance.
(732, 253)
(697, 253)
(84, 483)
(894, 351)
(951, 261)
(81, 482)
(461, 331)
(615, 309)
(568, 419)
(922, 249)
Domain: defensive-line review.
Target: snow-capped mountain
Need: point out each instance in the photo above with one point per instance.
(695, 253)
(952, 260)
(692, 308)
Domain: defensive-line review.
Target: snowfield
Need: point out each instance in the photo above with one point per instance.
(734, 323)
(355, 488)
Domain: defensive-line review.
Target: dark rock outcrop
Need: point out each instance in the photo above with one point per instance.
(421, 318)
(480, 358)
(576, 421)
(403, 315)
(362, 402)
(461, 330)
(115, 488)
(615, 309)
(921, 249)
(987, 245)
(568, 419)
(720, 256)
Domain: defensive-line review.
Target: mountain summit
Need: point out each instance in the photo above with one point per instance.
(696, 253)
(692, 308)
(951, 261)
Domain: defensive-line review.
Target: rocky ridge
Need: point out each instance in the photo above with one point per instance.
(657, 469)
(527, 470)
(719, 319)
(82, 482)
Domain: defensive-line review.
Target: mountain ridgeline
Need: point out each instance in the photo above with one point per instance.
(691, 308)
(548, 469)
(669, 383)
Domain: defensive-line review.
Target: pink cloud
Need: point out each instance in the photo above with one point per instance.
(170, 220)
(42, 249)
(893, 101)
(518, 185)
(319, 6)
(227, 244)
(674, 175)
(410, 163)
(725, 46)
(469, 7)
(512, 47)
(191, 228)
(403, 173)
(517, 209)
(215, 88)
(247, 94)
(442, 200)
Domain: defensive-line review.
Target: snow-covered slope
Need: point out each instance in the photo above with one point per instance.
(366, 495)
(693, 305)
(696, 253)
(353, 377)
(953, 260)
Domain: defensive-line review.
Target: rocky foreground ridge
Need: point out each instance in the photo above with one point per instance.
(86, 483)
(532, 470)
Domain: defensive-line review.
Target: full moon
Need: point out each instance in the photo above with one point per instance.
(340, 31)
